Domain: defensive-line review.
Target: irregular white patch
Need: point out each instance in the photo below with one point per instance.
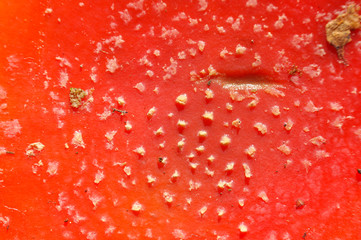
(125, 16)
(52, 168)
(301, 40)
(2, 93)
(77, 140)
(112, 65)
(10, 128)
(63, 79)
(251, 3)
(203, 4)
(312, 70)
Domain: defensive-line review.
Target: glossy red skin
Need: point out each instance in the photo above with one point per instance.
(330, 187)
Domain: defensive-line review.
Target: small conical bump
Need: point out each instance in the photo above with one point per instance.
(250, 151)
(225, 140)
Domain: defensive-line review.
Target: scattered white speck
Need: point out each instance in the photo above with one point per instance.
(203, 210)
(159, 132)
(182, 99)
(275, 110)
(284, 149)
(99, 176)
(211, 159)
(236, 123)
(151, 112)
(229, 167)
(312, 70)
(112, 65)
(310, 107)
(202, 134)
(318, 141)
(225, 140)
(140, 151)
(279, 23)
(137, 207)
(77, 140)
(63, 79)
(261, 128)
(301, 40)
(52, 168)
(125, 16)
(37, 146)
(247, 170)
(203, 4)
(128, 126)
(251, 3)
(201, 45)
(209, 94)
(127, 170)
(250, 151)
(240, 50)
(200, 149)
(263, 196)
(168, 197)
(140, 87)
(242, 228)
(208, 116)
(288, 125)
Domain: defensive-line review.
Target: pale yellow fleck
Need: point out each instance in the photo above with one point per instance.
(240, 50)
(243, 228)
(137, 207)
(201, 45)
(241, 202)
(229, 167)
(284, 149)
(182, 123)
(182, 99)
(208, 116)
(288, 125)
(236, 123)
(212, 71)
(140, 151)
(181, 144)
(318, 141)
(127, 170)
(151, 112)
(209, 94)
(250, 151)
(159, 132)
(221, 211)
(37, 146)
(168, 197)
(275, 111)
(263, 196)
(200, 149)
(225, 140)
(211, 159)
(77, 140)
(209, 172)
(262, 128)
(193, 165)
(128, 126)
(202, 134)
(151, 179)
(99, 176)
(247, 170)
(203, 210)
(175, 175)
(120, 101)
(229, 107)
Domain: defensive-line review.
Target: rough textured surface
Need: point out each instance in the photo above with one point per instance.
(338, 30)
